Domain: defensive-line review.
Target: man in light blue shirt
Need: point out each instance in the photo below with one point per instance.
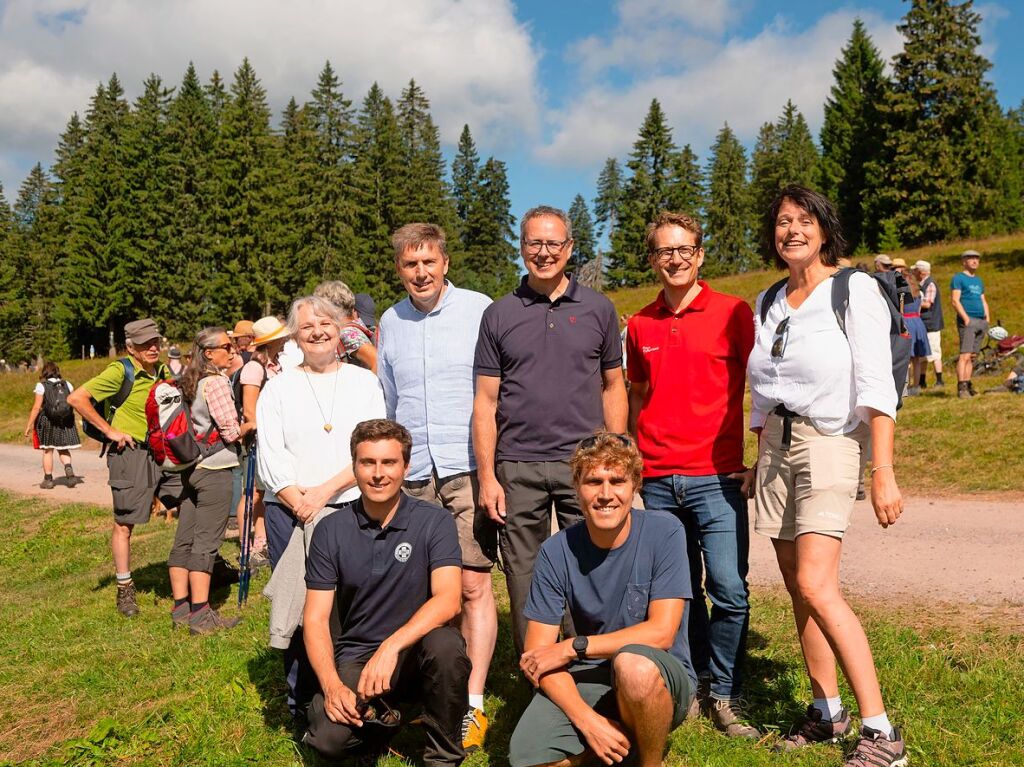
(425, 363)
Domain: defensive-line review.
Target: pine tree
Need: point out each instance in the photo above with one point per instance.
(728, 225)
(490, 261)
(608, 202)
(585, 245)
(853, 130)
(686, 191)
(465, 168)
(784, 154)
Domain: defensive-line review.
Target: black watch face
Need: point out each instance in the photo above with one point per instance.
(579, 644)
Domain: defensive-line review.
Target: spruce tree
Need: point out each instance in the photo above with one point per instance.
(784, 154)
(10, 282)
(465, 168)
(490, 263)
(584, 242)
(686, 191)
(424, 193)
(728, 224)
(608, 202)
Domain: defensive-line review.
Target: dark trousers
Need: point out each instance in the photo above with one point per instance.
(531, 487)
(202, 519)
(433, 672)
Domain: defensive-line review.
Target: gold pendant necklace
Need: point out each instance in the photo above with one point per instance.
(328, 426)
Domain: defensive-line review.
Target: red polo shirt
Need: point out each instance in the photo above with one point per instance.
(695, 362)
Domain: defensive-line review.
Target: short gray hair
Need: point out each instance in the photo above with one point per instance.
(544, 210)
(321, 308)
(339, 294)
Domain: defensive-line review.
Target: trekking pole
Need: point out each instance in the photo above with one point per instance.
(245, 545)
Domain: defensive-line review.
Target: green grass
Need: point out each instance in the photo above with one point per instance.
(82, 686)
(943, 445)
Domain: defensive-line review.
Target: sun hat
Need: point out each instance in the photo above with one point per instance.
(242, 328)
(922, 266)
(970, 254)
(881, 258)
(267, 329)
(899, 262)
(140, 331)
(174, 353)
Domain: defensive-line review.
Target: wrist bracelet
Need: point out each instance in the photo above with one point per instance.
(878, 468)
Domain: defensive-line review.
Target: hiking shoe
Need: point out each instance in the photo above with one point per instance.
(729, 717)
(962, 392)
(208, 620)
(126, 604)
(970, 388)
(258, 559)
(699, 704)
(474, 730)
(913, 391)
(47, 483)
(180, 616)
(814, 730)
(873, 749)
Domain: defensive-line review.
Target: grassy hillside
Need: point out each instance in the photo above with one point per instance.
(943, 445)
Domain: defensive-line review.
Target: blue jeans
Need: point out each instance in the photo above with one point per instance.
(714, 513)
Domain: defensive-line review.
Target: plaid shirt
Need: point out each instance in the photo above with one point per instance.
(221, 404)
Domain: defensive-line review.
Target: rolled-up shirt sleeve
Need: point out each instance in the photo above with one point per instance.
(867, 326)
(276, 464)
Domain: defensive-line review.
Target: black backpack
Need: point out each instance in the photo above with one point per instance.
(894, 289)
(109, 406)
(55, 402)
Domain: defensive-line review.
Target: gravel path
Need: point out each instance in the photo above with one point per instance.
(963, 550)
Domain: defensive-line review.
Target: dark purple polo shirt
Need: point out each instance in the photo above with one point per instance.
(549, 357)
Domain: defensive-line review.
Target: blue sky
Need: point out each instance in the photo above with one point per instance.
(551, 88)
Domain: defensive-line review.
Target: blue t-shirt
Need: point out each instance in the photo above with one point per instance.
(610, 589)
(381, 575)
(971, 290)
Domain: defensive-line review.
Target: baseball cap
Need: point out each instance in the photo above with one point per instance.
(140, 331)
(881, 258)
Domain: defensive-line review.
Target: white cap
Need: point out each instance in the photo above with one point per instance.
(923, 266)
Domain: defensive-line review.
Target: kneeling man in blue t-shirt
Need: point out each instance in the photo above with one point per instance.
(626, 680)
(392, 568)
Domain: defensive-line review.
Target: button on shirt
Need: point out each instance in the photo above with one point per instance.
(425, 364)
(381, 575)
(550, 357)
(821, 374)
(695, 363)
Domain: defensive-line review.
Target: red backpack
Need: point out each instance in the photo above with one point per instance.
(171, 437)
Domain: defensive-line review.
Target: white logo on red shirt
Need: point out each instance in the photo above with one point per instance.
(649, 349)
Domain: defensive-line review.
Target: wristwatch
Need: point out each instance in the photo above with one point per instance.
(579, 644)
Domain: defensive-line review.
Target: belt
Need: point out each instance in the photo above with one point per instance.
(911, 315)
(787, 416)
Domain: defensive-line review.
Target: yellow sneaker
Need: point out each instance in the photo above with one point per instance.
(474, 730)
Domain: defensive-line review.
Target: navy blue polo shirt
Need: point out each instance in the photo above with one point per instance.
(549, 357)
(381, 575)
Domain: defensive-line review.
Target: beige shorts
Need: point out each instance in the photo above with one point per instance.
(811, 488)
(935, 342)
(459, 494)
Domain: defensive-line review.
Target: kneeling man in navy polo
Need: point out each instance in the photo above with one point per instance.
(626, 681)
(392, 566)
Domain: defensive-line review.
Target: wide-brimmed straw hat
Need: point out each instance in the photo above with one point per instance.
(267, 329)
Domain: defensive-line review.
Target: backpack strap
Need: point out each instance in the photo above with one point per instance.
(769, 297)
(126, 384)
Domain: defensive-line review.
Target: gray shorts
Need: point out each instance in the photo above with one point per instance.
(544, 733)
(972, 336)
(134, 481)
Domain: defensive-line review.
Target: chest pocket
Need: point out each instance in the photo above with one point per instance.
(637, 599)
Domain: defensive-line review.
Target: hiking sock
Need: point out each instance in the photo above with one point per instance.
(476, 701)
(258, 544)
(921, 382)
(47, 476)
(123, 579)
(830, 708)
(878, 722)
(179, 602)
(69, 471)
(197, 606)
(938, 379)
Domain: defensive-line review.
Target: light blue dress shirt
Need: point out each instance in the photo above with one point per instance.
(425, 365)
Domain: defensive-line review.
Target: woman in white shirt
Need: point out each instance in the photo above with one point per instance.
(52, 426)
(820, 396)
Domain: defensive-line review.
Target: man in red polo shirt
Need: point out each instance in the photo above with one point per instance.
(687, 355)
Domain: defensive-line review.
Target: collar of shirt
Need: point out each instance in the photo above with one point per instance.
(398, 522)
(698, 304)
(530, 296)
(446, 298)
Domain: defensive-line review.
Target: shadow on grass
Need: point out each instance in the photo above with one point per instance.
(153, 579)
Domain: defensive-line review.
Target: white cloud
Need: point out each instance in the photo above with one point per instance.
(473, 58)
(743, 81)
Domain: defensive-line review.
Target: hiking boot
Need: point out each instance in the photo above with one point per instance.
(913, 391)
(207, 621)
(873, 749)
(699, 704)
(729, 717)
(474, 730)
(180, 616)
(126, 604)
(962, 392)
(47, 483)
(258, 559)
(814, 730)
(970, 388)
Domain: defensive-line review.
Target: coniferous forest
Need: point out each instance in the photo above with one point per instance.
(195, 205)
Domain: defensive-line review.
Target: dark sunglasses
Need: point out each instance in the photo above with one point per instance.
(589, 442)
(781, 337)
(378, 712)
(226, 347)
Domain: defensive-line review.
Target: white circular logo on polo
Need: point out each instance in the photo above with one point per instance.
(403, 551)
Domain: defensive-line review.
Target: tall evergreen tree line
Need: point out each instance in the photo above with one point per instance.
(919, 155)
(191, 206)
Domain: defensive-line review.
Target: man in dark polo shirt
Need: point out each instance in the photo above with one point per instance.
(391, 565)
(687, 367)
(547, 375)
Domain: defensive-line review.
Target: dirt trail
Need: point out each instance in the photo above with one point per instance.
(963, 550)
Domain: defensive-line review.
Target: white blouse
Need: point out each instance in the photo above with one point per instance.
(822, 374)
(294, 448)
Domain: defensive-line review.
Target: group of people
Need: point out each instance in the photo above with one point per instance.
(394, 477)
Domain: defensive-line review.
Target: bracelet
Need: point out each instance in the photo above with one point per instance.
(879, 468)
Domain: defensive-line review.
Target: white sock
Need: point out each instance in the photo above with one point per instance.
(476, 701)
(878, 722)
(829, 707)
(123, 578)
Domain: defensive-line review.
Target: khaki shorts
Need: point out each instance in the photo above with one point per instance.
(935, 342)
(972, 337)
(458, 493)
(811, 488)
(134, 480)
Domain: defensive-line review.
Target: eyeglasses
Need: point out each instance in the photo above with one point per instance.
(781, 337)
(534, 247)
(686, 253)
(226, 347)
(371, 715)
(589, 442)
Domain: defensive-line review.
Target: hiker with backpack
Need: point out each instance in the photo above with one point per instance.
(51, 424)
(355, 342)
(828, 347)
(210, 407)
(113, 409)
